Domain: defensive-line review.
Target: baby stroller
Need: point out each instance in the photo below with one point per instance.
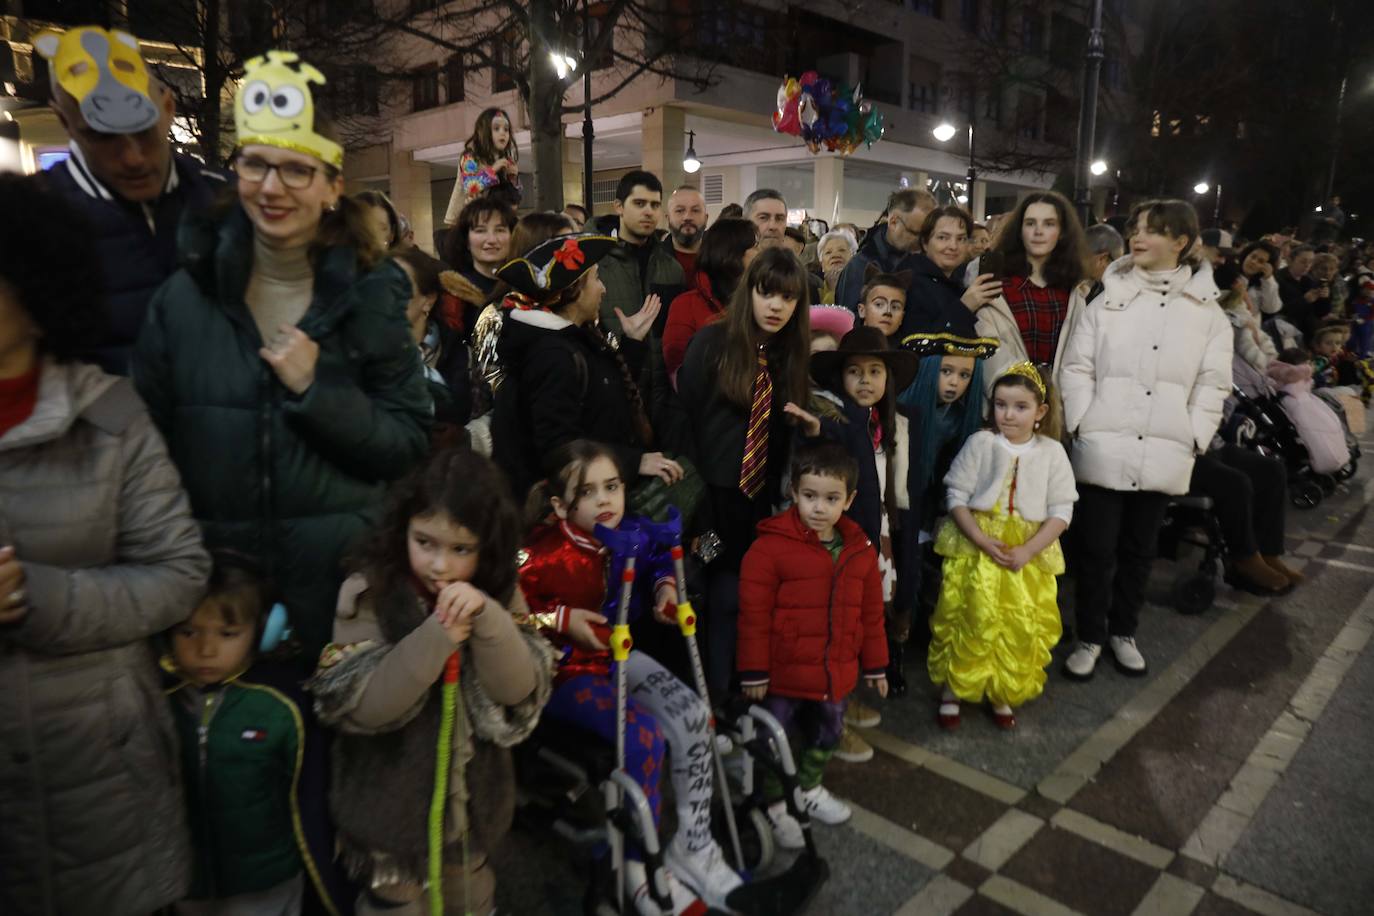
(559, 768)
(1259, 422)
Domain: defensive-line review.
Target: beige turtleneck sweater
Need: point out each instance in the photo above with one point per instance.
(279, 288)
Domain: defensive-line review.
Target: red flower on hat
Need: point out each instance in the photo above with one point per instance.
(570, 255)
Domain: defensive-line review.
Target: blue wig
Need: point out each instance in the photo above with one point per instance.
(933, 428)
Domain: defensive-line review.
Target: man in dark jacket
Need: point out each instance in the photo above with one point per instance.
(133, 190)
(640, 262)
(887, 243)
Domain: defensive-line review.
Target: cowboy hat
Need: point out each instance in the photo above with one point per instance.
(865, 341)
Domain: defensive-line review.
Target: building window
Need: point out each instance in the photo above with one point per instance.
(455, 75)
(968, 15)
(596, 16)
(997, 20)
(1032, 32)
(1028, 116)
(424, 88)
(924, 98)
(992, 107)
(504, 62)
(1111, 72)
(927, 7)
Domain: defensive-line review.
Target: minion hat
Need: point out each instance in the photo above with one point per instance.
(541, 275)
(104, 71)
(275, 107)
(945, 344)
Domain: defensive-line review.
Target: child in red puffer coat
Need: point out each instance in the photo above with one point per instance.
(810, 618)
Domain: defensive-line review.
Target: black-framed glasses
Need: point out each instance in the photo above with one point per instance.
(294, 175)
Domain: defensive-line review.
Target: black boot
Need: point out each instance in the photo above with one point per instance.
(896, 680)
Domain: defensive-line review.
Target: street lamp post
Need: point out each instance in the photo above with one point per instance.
(944, 132)
(1087, 116)
(587, 131)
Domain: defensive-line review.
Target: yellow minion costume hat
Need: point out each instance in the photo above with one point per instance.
(275, 107)
(104, 71)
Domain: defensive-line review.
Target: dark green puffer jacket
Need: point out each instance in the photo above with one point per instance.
(293, 481)
(254, 770)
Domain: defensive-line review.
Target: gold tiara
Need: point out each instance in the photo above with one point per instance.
(1027, 370)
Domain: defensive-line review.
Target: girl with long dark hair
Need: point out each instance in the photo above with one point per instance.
(738, 374)
(1045, 258)
(490, 164)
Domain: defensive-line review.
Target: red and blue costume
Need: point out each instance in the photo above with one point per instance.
(564, 568)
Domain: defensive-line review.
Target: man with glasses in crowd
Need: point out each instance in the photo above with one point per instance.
(133, 190)
(896, 235)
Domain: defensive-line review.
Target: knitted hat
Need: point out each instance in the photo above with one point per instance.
(835, 320)
(866, 341)
(945, 344)
(541, 274)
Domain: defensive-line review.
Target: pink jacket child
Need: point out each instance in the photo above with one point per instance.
(1318, 425)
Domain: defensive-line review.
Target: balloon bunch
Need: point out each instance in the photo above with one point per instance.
(826, 115)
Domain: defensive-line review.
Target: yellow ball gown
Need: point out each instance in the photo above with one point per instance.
(993, 629)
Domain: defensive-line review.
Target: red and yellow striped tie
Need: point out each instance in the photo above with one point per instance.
(755, 462)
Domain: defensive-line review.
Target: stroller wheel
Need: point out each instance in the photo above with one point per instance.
(1327, 483)
(1349, 470)
(1305, 494)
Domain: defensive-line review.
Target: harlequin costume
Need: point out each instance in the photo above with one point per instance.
(563, 568)
(993, 629)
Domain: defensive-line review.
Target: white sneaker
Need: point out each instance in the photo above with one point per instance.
(684, 902)
(704, 872)
(1129, 661)
(824, 807)
(786, 830)
(1082, 661)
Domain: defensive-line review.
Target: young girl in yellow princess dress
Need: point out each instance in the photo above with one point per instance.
(1011, 495)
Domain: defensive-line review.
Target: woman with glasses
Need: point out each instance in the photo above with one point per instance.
(278, 362)
(937, 300)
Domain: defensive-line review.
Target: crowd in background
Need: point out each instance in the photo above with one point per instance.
(263, 464)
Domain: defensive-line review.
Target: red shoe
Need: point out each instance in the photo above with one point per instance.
(949, 720)
(1005, 720)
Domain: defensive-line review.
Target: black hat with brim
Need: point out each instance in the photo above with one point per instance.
(546, 270)
(866, 341)
(942, 343)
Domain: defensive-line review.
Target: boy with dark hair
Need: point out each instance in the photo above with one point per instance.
(883, 302)
(640, 272)
(811, 582)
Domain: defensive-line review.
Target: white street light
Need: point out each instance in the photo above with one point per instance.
(1098, 168)
(563, 64)
(944, 131)
(690, 163)
(1201, 187)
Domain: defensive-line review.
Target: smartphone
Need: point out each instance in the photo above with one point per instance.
(992, 262)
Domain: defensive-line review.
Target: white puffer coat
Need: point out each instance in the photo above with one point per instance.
(1144, 377)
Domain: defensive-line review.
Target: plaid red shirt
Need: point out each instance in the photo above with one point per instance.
(1039, 312)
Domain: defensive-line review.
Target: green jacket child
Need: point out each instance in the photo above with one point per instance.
(253, 762)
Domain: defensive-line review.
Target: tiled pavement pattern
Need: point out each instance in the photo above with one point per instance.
(1237, 778)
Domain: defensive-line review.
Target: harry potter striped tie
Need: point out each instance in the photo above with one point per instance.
(755, 462)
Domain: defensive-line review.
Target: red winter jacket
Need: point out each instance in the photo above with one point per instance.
(688, 313)
(805, 621)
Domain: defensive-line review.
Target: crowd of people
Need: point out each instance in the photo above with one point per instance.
(304, 530)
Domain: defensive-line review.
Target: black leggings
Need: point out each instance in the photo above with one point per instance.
(1248, 493)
